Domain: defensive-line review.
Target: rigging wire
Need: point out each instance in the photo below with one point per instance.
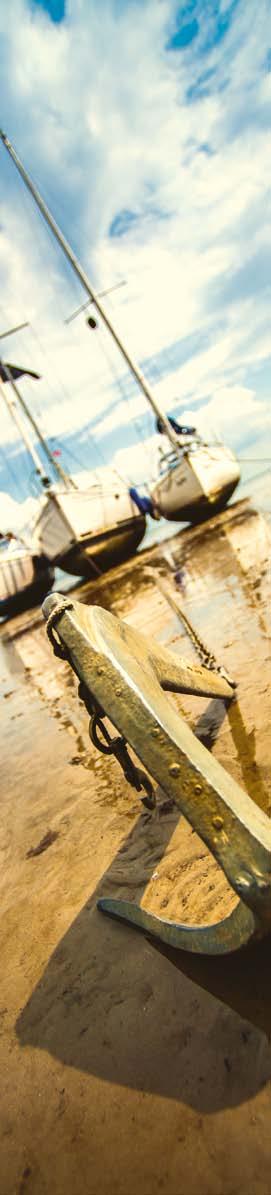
(17, 482)
(83, 466)
(105, 351)
(46, 356)
(62, 267)
(26, 203)
(119, 380)
(120, 384)
(96, 447)
(68, 395)
(22, 422)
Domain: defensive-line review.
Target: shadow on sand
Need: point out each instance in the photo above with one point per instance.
(111, 1003)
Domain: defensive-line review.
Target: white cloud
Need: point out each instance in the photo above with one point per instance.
(16, 516)
(101, 115)
(232, 411)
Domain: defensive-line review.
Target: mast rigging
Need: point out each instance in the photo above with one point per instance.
(81, 274)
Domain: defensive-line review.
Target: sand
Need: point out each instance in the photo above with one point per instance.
(126, 1069)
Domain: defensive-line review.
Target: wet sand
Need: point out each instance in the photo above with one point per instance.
(125, 1068)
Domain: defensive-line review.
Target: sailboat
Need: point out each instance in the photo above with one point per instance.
(26, 574)
(25, 579)
(88, 531)
(84, 531)
(195, 478)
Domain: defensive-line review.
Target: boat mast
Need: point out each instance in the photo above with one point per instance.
(11, 405)
(137, 373)
(67, 482)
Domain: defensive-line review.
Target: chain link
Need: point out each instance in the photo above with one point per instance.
(115, 745)
(108, 744)
(206, 656)
(204, 653)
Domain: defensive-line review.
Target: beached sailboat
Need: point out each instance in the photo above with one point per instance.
(26, 574)
(83, 530)
(25, 579)
(86, 531)
(195, 478)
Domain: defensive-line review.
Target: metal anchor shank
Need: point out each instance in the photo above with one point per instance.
(127, 676)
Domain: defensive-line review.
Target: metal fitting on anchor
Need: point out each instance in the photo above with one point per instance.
(125, 677)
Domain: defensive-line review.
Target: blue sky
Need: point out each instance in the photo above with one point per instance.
(54, 8)
(147, 127)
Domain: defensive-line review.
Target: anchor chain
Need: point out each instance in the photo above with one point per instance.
(115, 745)
(107, 744)
(205, 655)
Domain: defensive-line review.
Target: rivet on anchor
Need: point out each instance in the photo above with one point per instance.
(218, 823)
(243, 881)
(174, 769)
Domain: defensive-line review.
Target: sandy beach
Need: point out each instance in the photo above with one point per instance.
(126, 1069)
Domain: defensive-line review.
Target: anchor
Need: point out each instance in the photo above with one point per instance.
(124, 676)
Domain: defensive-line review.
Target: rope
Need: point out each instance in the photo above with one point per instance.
(52, 621)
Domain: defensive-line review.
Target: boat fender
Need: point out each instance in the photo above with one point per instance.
(143, 503)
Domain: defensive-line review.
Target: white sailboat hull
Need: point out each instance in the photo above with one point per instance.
(24, 579)
(88, 531)
(202, 480)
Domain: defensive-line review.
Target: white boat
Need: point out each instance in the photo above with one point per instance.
(195, 478)
(83, 530)
(25, 579)
(87, 531)
(25, 573)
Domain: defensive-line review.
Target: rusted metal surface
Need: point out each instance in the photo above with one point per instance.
(126, 674)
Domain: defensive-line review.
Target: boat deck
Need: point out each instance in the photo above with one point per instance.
(123, 1069)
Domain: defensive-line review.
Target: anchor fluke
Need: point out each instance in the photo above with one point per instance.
(124, 676)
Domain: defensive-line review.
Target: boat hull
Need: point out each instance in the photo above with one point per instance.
(200, 483)
(88, 531)
(96, 554)
(24, 582)
(204, 507)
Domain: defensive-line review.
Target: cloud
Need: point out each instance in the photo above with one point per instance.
(16, 516)
(155, 161)
(232, 411)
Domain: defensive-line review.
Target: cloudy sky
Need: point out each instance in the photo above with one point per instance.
(146, 126)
